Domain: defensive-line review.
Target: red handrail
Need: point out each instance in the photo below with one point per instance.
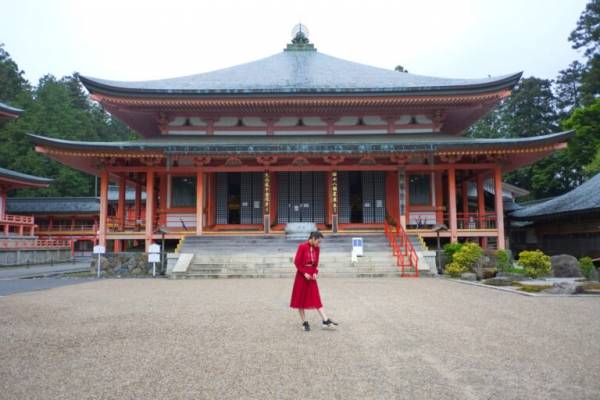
(16, 219)
(403, 250)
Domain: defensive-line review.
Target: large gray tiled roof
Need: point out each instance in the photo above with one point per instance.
(300, 72)
(19, 176)
(342, 144)
(585, 198)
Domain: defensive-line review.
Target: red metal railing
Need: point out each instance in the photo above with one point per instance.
(402, 248)
(16, 219)
(35, 244)
(473, 220)
(67, 228)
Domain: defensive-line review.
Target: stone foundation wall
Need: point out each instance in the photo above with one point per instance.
(28, 257)
(124, 264)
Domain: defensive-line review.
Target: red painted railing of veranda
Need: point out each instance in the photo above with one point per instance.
(402, 248)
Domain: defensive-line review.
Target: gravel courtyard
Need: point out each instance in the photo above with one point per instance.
(237, 339)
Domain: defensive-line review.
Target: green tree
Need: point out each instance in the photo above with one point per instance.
(586, 34)
(568, 87)
(400, 68)
(58, 108)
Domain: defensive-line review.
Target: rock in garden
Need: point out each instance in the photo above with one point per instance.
(564, 288)
(565, 266)
(468, 276)
(594, 275)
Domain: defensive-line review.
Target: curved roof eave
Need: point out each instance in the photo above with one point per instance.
(329, 143)
(19, 176)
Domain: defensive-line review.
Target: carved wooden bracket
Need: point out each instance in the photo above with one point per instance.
(233, 162)
(150, 161)
(266, 160)
(333, 159)
(200, 161)
(300, 161)
(163, 122)
(367, 160)
(106, 162)
(400, 159)
(450, 158)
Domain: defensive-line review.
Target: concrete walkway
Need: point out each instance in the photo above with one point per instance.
(42, 270)
(237, 339)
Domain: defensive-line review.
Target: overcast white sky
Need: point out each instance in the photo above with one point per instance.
(139, 40)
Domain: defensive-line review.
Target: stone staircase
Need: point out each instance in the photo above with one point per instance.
(272, 257)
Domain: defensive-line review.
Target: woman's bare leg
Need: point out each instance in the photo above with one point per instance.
(301, 311)
(321, 312)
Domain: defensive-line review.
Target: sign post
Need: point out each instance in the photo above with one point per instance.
(99, 250)
(154, 256)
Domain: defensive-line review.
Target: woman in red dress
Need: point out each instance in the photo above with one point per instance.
(305, 294)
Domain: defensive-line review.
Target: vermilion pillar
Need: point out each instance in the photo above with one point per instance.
(439, 198)
(199, 201)
(452, 203)
(138, 204)
(483, 224)
(163, 199)
(103, 208)
(121, 204)
(499, 207)
(149, 208)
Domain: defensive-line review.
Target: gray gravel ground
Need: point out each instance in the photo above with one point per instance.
(237, 339)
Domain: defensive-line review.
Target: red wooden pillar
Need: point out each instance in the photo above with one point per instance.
(199, 201)
(121, 204)
(2, 204)
(138, 205)
(149, 208)
(465, 204)
(163, 200)
(499, 206)
(483, 224)
(452, 205)
(392, 195)
(103, 208)
(209, 198)
(439, 198)
(274, 198)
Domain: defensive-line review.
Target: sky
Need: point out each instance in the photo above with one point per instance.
(141, 40)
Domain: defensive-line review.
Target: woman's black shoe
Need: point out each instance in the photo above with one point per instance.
(306, 326)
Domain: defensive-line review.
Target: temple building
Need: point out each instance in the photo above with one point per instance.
(19, 243)
(301, 136)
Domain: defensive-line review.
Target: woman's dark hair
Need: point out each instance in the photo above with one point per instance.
(315, 235)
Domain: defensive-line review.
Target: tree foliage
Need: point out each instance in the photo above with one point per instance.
(539, 106)
(57, 108)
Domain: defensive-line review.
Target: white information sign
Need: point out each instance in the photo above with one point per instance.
(99, 249)
(154, 248)
(357, 246)
(153, 257)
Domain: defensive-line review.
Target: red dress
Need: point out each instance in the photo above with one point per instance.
(306, 292)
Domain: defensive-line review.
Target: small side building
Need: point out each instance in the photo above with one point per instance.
(567, 224)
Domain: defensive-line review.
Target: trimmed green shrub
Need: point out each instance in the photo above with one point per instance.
(449, 250)
(463, 259)
(587, 266)
(455, 270)
(502, 260)
(535, 263)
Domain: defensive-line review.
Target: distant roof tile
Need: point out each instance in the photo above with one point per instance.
(584, 198)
